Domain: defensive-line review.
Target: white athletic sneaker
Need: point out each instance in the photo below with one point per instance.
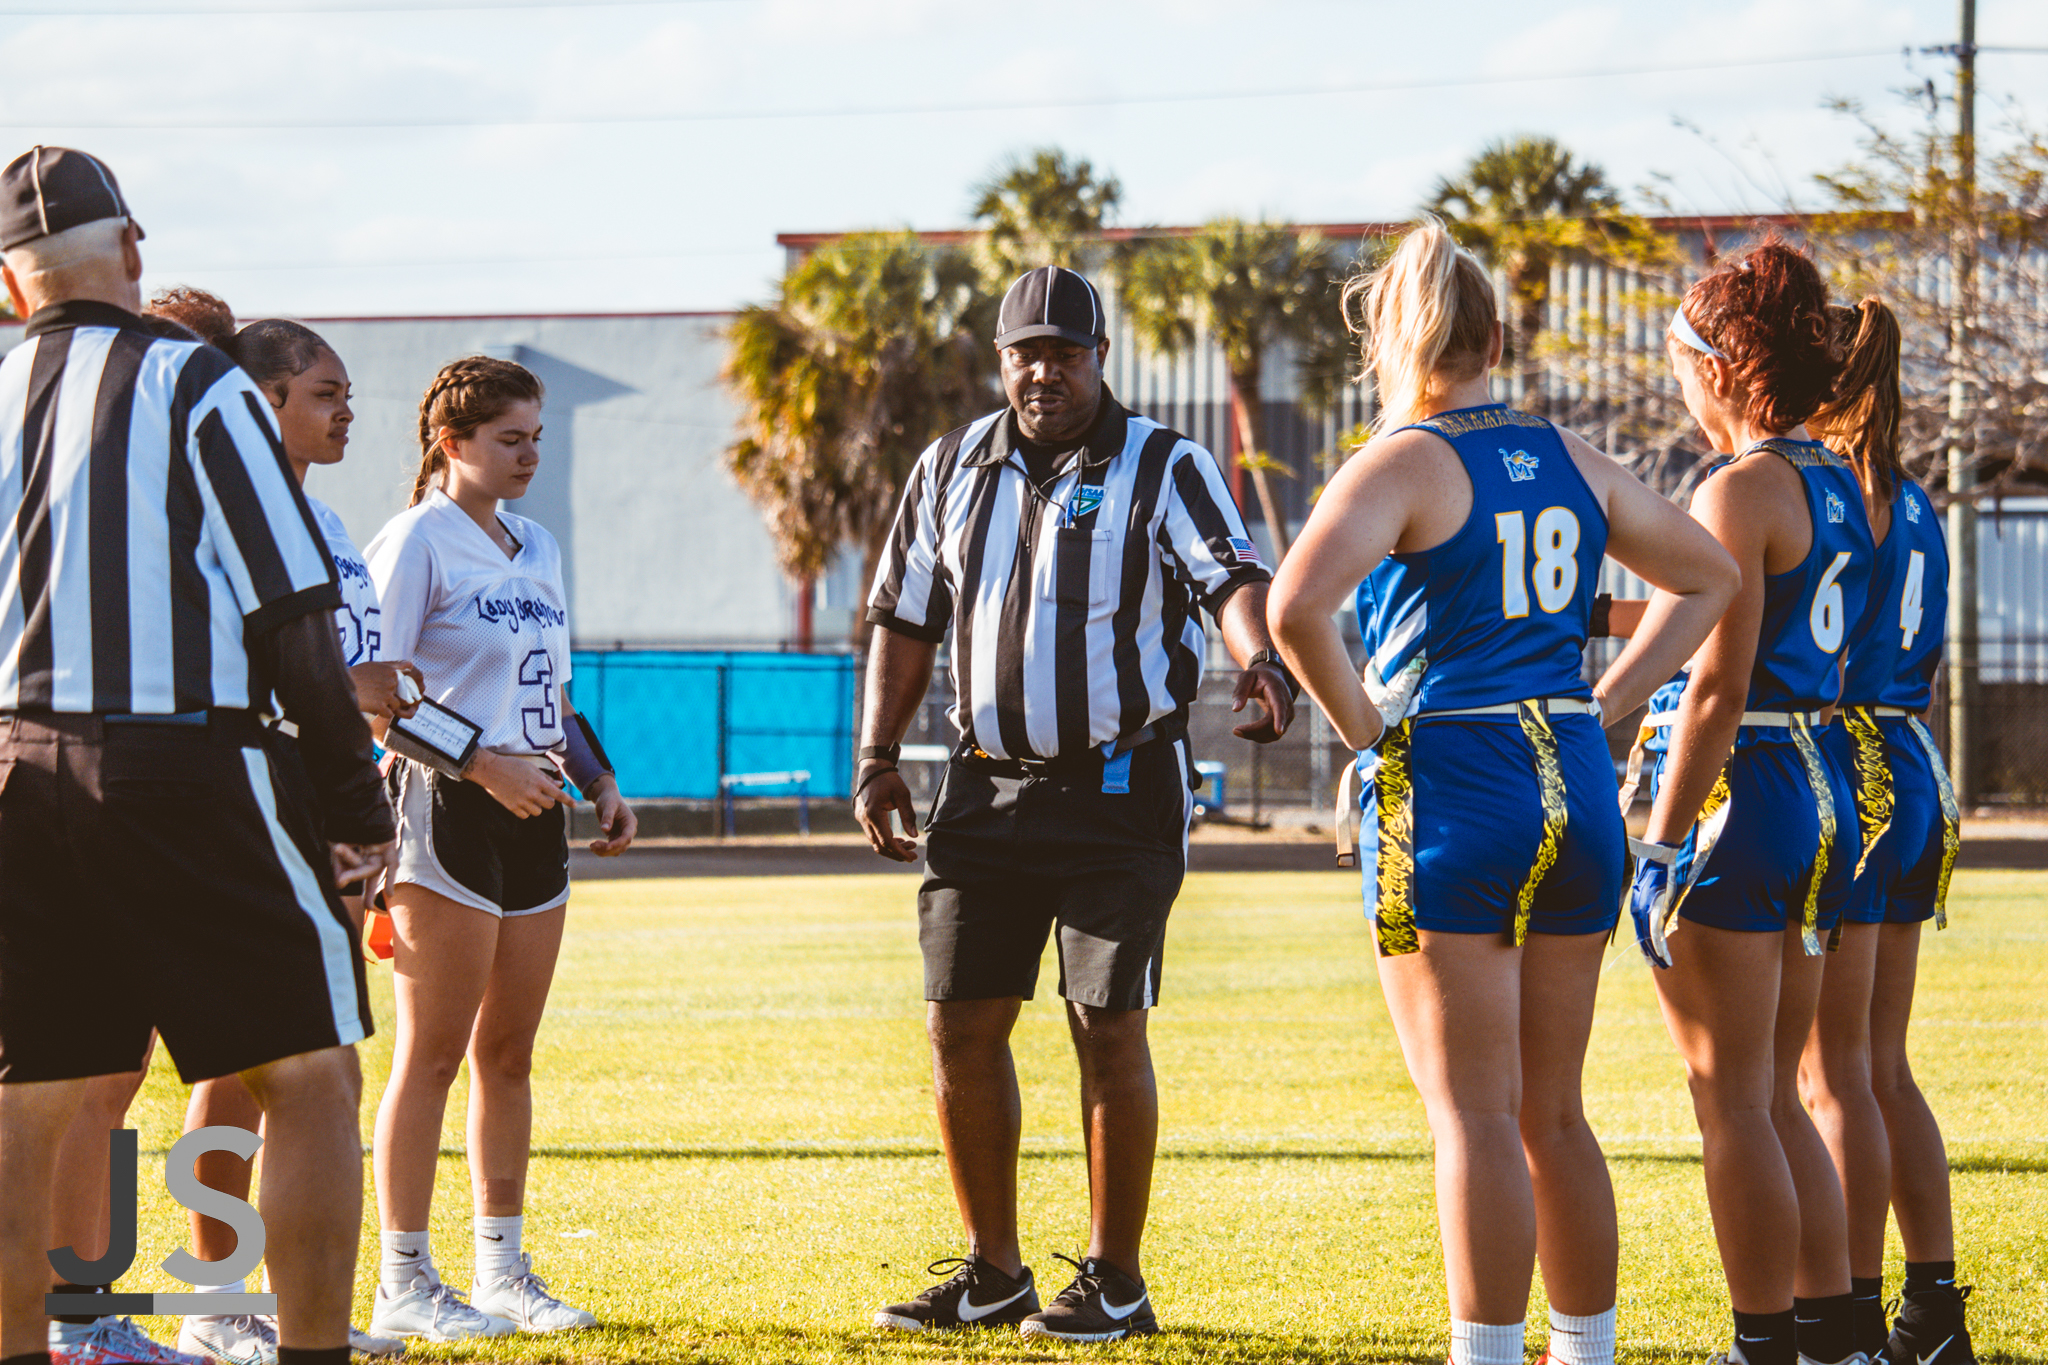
(240, 1339)
(111, 1341)
(363, 1344)
(432, 1310)
(524, 1300)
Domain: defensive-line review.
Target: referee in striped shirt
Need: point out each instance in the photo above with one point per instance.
(1071, 547)
(161, 581)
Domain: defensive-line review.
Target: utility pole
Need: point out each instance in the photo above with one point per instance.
(1962, 475)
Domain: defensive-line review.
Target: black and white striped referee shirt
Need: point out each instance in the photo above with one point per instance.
(1073, 611)
(151, 519)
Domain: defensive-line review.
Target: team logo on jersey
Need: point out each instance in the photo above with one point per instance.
(1912, 509)
(1086, 499)
(1521, 465)
(512, 610)
(1836, 511)
(1244, 551)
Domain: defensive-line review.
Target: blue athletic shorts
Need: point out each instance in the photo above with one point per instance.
(1469, 828)
(1757, 875)
(1899, 805)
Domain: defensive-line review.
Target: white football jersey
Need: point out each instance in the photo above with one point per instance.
(356, 619)
(490, 634)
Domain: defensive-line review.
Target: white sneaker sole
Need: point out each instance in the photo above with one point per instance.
(894, 1322)
(1039, 1329)
(498, 1327)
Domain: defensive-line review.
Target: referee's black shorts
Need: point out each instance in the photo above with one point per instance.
(163, 876)
(1008, 857)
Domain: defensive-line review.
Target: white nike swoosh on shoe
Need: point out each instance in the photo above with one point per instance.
(1928, 1359)
(970, 1311)
(1124, 1311)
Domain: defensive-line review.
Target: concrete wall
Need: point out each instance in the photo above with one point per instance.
(660, 545)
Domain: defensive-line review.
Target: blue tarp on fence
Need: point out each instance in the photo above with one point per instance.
(675, 721)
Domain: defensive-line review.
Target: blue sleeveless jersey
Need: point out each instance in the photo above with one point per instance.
(1498, 612)
(1809, 610)
(1896, 647)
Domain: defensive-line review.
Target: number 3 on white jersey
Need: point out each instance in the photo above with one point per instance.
(1556, 572)
(1825, 616)
(1909, 601)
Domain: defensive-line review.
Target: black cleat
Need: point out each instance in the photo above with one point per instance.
(1102, 1304)
(1929, 1329)
(978, 1295)
(1871, 1329)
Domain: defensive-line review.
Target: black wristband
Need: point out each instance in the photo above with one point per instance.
(872, 774)
(1599, 626)
(1267, 656)
(888, 753)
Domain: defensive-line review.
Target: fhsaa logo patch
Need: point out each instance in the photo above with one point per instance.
(1836, 511)
(1086, 499)
(1521, 465)
(1912, 509)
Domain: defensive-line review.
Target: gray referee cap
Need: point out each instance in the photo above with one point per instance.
(1051, 302)
(47, 190)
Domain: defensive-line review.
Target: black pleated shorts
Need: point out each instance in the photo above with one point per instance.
(1007, 858)
(167, 877)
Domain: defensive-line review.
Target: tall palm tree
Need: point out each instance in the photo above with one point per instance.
(1525, 203)
(1249, 286)
(874, 344)
(1045, 208)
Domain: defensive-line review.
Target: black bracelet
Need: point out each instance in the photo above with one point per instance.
(1279, 665)
(888, 753)
(873, 773)
(1599, 626)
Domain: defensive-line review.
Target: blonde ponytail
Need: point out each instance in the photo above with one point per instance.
(1429, 307)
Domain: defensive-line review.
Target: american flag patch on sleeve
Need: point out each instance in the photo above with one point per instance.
(1244, 549)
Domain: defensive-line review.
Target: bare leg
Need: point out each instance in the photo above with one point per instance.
(974, 1081)
(224, 1101)
(1823, 1225)
(1576, 1235)
(79, 1213)
(442, 953)
(1834, 1079)
(34, 1116)
(312, 1190)
(501, 1060)
(1725, 1037)
(1457, 1009)
(1120, 1122)
(1919, 1160)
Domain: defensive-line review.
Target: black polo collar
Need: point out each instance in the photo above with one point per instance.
(1105, 441)
(55, 317)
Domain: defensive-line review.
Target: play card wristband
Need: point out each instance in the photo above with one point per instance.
(437, 738)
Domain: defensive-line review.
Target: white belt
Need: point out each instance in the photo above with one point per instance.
(1660, 720)
(1549, 706)
(1897, 711)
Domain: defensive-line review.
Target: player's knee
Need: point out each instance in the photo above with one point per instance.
(329, 1077)
(1546, 1126)
(501, 1063)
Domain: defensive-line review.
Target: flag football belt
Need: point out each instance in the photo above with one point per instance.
(1346, 813)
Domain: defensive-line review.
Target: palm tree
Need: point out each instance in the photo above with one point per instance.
(1248, 286)
(1524, 203)
(874, 345)
(1042, 209)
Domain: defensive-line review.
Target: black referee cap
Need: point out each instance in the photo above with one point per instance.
(46, 190)
(1051, 302)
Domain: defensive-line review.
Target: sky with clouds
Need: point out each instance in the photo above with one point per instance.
(409, 157)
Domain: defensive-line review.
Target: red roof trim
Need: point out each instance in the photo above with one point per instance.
(520, 317)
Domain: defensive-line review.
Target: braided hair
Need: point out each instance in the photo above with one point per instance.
(465, 395)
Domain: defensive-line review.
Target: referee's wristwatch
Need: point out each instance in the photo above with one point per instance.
(887, 753)
(1267, 656)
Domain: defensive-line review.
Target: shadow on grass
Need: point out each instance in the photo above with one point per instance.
(908, 1153)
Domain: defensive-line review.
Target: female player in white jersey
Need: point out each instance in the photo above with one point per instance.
(1749, 850)
(1855, 1075)
(1494, 854)
(308, 389)
(474, 595)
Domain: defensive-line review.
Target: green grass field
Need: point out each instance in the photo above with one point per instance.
(736, 1160)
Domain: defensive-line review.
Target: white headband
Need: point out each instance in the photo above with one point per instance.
(1683, 330)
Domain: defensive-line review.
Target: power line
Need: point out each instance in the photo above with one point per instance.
(76, 12)
(882, 111)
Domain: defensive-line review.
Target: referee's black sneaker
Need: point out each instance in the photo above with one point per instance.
(1102, 1304)
(978, 1295)
(1929, 1329)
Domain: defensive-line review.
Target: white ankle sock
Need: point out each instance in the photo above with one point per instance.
(240, 1286)
(497, 1247)
(1582, 1341)
(1478, 1343)
(406, 1254)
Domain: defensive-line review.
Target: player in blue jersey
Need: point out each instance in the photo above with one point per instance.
(1855, 1075)
(1493, 855)
(1751, 838)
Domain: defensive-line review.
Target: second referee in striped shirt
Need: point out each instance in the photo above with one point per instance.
(1070, 546)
